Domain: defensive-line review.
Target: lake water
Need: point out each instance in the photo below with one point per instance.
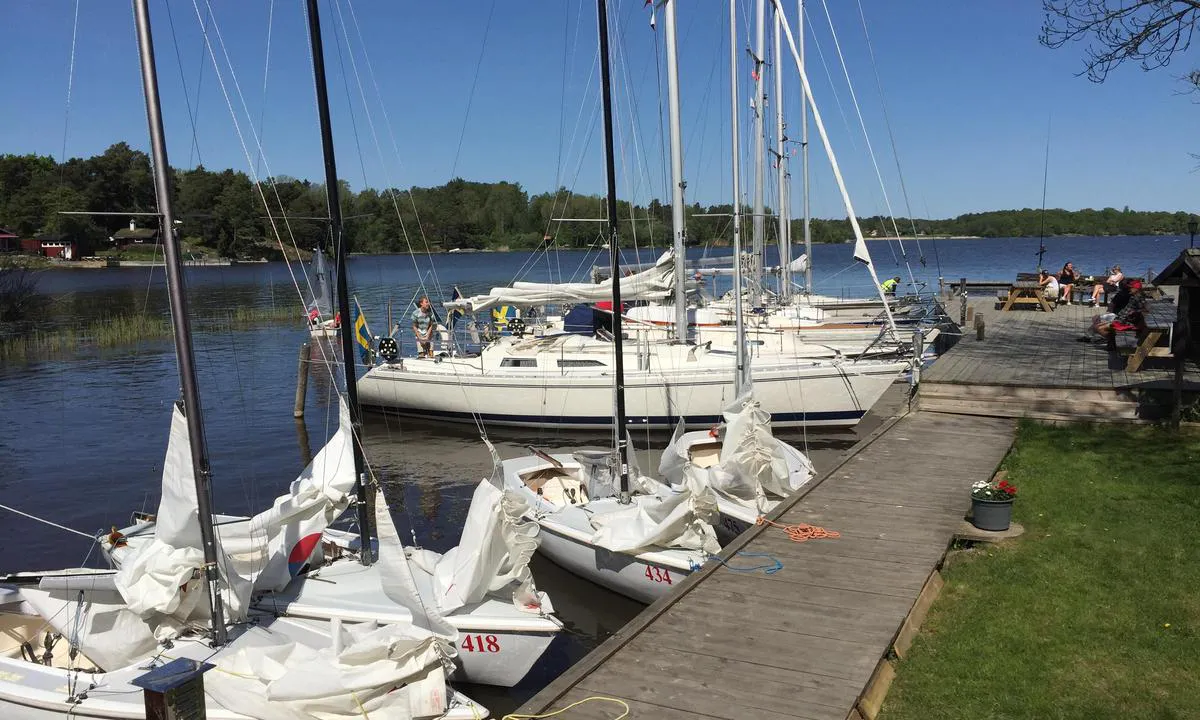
(83, 436)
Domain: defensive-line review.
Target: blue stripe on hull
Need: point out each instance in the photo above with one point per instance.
(839, 418)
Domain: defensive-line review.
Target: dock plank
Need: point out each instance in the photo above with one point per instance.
(804, 641)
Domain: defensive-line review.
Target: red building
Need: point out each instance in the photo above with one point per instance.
(9, 242)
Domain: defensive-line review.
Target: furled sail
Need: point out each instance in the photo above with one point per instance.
(681, 520)
(653, 284)
(321, 286)
(275, 545)
(493, 555)
(163, 581)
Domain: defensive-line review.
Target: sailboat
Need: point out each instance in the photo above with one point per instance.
(78, 642)
(599, 517)
(555, 377)
(747, 468)
(300, 566)
(322, 322)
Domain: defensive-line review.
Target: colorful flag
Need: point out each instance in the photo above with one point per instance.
(362, 335)
(456, 313)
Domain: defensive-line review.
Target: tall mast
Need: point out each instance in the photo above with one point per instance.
(784, 232)
(677, 181)
(362, 510)
(179, 318)
(742, 368)
(614, 252)
(759, 142)
(808, 283)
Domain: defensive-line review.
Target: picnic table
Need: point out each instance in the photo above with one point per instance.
(1026, 291)
(1159, 318)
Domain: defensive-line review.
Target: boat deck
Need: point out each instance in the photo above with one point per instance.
(804, 641)
(1032, 364)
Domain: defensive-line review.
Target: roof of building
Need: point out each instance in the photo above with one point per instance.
(6, 233)
(135, 234)
(1185, 270)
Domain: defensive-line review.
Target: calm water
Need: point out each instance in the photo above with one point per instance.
(83, 437)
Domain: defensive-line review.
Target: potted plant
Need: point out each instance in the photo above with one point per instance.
(991, 503)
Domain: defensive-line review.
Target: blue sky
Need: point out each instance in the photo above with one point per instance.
(969, 91)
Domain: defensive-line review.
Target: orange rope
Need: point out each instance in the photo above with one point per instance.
(801, 532)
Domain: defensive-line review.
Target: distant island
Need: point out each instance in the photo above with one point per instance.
(221, 215)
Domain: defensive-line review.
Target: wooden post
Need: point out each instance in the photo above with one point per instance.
(962, 293)
(302, 380)
(918, 348)
(1181, 350)
(941, 287)
(970, 313)
(979, 326)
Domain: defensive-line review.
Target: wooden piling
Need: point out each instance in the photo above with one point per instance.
(970, 313)
(302, 380)
(979, 326)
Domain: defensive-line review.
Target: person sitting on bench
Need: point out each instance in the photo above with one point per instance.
(1131, 317)
(1049, 285)
(1112, 283)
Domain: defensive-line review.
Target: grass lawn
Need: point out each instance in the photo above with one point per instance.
(1095, 611)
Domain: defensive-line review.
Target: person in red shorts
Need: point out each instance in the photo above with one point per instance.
(1131, 317)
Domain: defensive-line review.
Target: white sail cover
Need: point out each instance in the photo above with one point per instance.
(753, 468)
(276, 544)
(800, 264)
(493, 554)
(653, 284)
(383, 672)
(109, 633)
(668, 520)
(162, 581)
(396, 576)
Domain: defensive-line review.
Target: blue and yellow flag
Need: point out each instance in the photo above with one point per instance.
(457, 313)
(362, 335)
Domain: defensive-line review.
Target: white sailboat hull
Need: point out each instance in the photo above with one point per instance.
(796, 393)
(566, 540)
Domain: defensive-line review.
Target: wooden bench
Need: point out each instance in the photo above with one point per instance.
(1025, 292)
(1159, 324)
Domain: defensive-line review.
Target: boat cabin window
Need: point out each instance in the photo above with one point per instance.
(510, 362)
(580, 363)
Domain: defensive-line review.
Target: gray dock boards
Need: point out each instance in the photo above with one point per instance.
(801, 643)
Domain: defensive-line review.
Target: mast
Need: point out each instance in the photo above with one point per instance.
(179, 319)
(808, 282)
(677, 182)
(362, 511)
(614, 253)
(784, 232)
(759, 143)
(739, 323)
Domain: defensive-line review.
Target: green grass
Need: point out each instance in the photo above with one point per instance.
(1095, 611)
(129, 330)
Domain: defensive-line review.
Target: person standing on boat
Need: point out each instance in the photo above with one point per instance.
(422, 326)
(889, 285)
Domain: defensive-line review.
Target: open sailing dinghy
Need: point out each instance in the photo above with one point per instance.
(479, 595)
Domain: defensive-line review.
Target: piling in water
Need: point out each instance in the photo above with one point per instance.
(302, 380)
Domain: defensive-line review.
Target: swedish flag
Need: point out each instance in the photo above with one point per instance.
(362, 335)
(457, 313)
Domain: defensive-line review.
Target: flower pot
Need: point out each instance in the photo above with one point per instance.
(991, 514)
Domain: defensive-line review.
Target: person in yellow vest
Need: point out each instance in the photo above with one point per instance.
(889, 285)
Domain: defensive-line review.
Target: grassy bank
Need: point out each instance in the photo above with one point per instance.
(1094, 612)
(127, 330)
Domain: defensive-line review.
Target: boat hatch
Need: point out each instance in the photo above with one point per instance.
(705, 455)
(559, 486)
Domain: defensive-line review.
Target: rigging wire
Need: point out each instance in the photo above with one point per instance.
(195, 117)
(262, 115)
(867, 138)
(47, 522)
(487, 30)
(62, 158)
(195, 147)
(892, 137)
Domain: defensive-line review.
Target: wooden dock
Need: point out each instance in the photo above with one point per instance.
(805, 641)
(1032, 364)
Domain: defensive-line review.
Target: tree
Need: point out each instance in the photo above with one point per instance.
(1148, 32)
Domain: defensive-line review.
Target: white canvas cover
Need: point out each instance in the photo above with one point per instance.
(493, 554)
(800, 264)
(653, 284)
(275, 545)
(669, 520)
(106, 631)
(397, 579)
(381, 672)
(162, 580)
(753, 467)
